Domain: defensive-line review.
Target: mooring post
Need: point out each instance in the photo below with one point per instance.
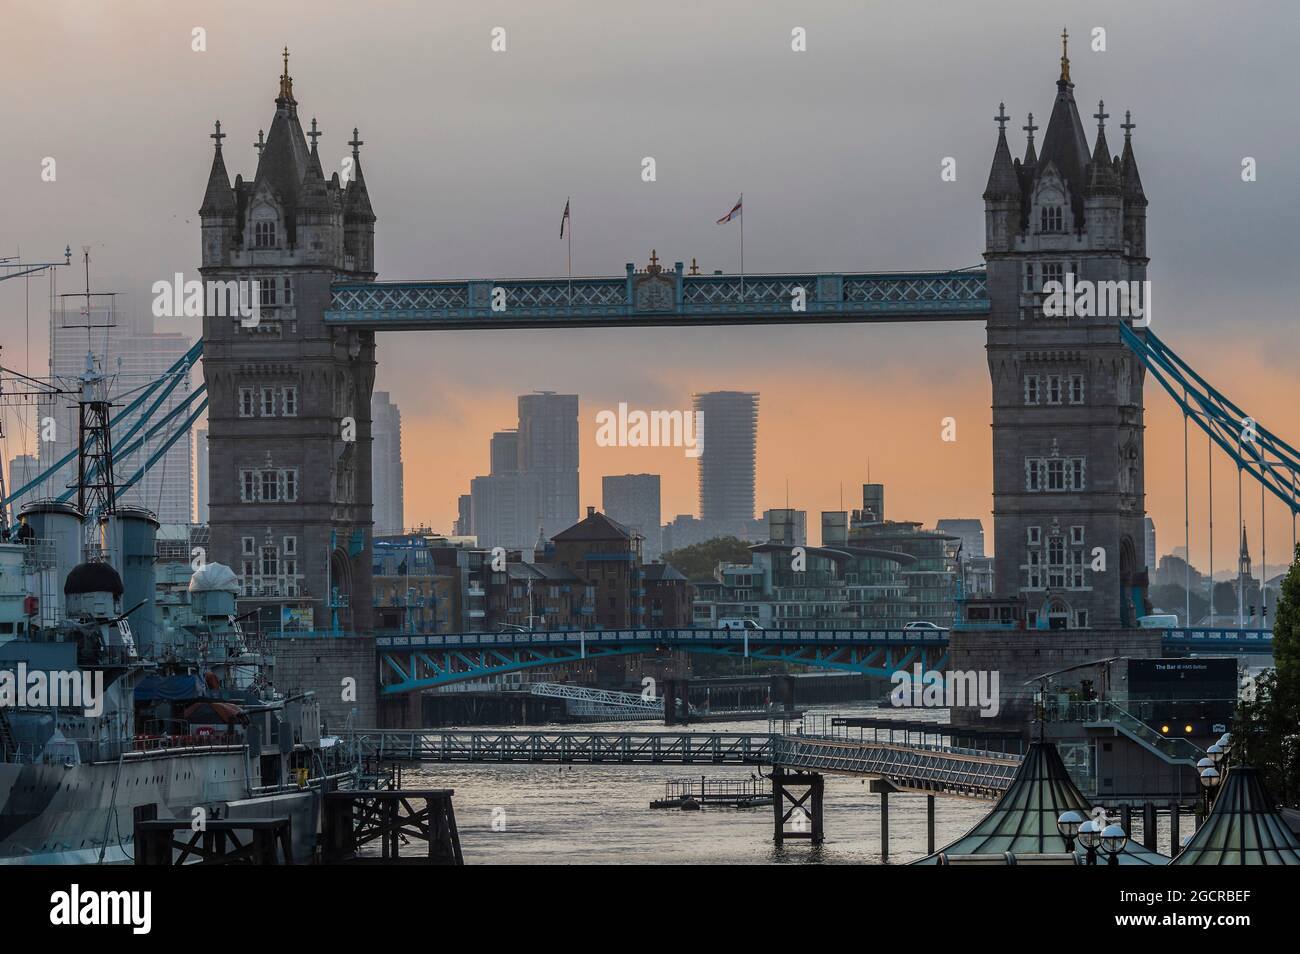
(884, 826)
(1149, 826)
(1175, 842)
(778, 805)
(818, 789)
(929, 824)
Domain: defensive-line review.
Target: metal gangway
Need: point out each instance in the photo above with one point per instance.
(928, 769)
(599, 703)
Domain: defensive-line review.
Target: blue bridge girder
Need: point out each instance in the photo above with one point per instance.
(657, 298)
(409, 663)
(412, 663)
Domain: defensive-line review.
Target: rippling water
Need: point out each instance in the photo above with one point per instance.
(600, 814)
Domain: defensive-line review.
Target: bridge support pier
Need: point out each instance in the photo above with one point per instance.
(929, 824)
(884, 787)
(804, 811)
(1149, 826)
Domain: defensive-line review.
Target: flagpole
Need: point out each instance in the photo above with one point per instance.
(742, 248)
(567, 204)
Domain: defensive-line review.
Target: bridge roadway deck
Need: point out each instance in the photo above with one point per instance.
(938, 770)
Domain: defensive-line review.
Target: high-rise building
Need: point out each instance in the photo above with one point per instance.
(464, 526)
(201, 475)
(133, 354)
(729, 435)
(548, 449)
(386, 464)
(633, 501)
(1149, 526)
(506, 510)
(23, 469)
(971, 533)
(504, 453)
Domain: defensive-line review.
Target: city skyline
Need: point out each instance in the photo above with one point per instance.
(490, 218)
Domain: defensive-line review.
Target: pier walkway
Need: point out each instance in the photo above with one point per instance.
(929, 769)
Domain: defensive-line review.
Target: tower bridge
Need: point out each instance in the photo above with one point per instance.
(291, 484)
(288, 397)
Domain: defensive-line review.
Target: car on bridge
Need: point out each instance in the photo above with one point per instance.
(922, 626)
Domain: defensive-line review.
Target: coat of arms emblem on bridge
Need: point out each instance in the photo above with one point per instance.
(653, 289)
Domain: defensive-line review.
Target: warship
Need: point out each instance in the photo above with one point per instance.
(100, 728)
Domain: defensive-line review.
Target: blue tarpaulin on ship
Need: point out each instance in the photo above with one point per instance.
(170, 688)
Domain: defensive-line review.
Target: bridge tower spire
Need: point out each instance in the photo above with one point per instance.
(1067, 393)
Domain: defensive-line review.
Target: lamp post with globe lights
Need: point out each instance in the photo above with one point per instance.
(1114, 839)
(1068, 825)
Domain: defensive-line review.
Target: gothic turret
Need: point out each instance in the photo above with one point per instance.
(1102, 201)
(218, 212)
(358, 216)
(1135, 200)
(1002, 193)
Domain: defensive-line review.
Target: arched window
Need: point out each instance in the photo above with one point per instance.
(1051, 219)
(264, 234)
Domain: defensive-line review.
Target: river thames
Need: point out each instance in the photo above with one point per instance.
(600, 814)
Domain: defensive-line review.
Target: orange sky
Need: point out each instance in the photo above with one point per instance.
(819, 438)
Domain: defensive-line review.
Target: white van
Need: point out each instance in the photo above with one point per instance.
(1159, 621)
(738, 622)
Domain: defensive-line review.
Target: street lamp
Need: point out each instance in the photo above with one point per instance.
(1215, 752)
(1068, 825)
(1090, 839)
(1114, 839)
(1209, 782)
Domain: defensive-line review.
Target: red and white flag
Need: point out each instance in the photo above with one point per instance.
(564, 218)
(734, 213)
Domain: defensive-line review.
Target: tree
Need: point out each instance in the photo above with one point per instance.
(698, 562)
(1268, 723)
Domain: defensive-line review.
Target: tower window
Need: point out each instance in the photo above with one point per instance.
(1051, 219)
(245, 402)
(264, 234)
(1029, 277)
(1053, 389)
(290, 402)
(1076, 389)
(1031, 389)
(268, 402)
(266, 292)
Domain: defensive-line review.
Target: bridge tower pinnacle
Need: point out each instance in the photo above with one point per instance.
(289, 411)
(1067, 393)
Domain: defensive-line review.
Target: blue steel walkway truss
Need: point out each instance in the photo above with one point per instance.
(412, 663)
(656, 297)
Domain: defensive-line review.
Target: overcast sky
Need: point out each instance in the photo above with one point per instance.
(469, 156)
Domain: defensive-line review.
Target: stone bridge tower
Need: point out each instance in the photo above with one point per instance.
(289, 399)
(1067, 393)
